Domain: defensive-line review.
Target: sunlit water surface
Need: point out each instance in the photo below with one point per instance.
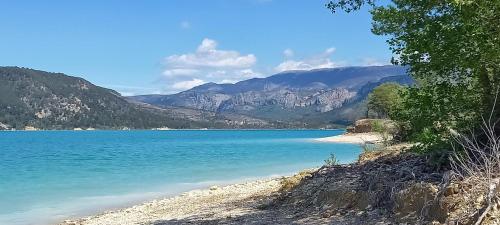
(48, 176)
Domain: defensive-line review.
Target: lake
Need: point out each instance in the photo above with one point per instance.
(48, 176)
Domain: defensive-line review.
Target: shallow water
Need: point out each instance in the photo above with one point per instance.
(48, 176)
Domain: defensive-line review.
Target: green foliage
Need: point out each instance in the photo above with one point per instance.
(57, 101)
(378, 126)
(452, 47)
(332, 160)
(366, 147)
(385, 99)
(387, 129)
(429, 112)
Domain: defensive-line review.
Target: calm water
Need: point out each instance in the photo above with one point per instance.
(53, 175)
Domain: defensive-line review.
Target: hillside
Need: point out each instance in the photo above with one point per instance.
(311, 97)
(42, 100)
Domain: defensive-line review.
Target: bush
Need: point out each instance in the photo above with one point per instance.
(332, 160)
(429, 112)
(385, 99)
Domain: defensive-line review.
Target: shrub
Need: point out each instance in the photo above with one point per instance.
(332, 160)
(477, 163)
(385, 99)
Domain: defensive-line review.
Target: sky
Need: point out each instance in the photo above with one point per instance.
(163, 47)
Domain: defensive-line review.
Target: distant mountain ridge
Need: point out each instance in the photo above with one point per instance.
(33, 99)
(288, 96)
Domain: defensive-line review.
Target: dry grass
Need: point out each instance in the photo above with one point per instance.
(477, 163)
(289, 183)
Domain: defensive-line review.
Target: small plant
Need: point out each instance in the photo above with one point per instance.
(386, 131)
(332, 160)
(289, 183)
(370, 147)
(378, 126)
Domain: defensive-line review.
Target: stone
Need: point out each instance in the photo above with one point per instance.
(213, 188)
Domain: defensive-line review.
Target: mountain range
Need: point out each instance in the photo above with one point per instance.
(33, 99)
(323, 97)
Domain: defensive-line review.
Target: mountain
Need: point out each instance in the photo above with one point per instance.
(33, 99)
(301, 98)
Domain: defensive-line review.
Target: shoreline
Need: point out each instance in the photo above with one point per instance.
(215, 201)
(189, 129)
(193, 201)
(352, 138)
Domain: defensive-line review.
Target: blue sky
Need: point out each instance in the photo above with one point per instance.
(155, 46)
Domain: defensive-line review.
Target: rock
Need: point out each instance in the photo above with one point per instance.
(326, 215)
(30, 128)
(412, 200)
(213, 188)
(4, 126)
(363, 126)
(350, 129)
(448, 191)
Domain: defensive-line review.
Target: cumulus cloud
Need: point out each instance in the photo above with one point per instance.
(173, 73)
(207, 64)
(207, 55)
(183, 85)
(322, 60)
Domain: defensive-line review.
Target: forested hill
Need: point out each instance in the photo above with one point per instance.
(33, 98)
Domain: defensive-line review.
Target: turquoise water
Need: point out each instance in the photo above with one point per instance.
(49, 176)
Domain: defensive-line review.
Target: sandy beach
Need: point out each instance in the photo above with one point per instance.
(353, 138)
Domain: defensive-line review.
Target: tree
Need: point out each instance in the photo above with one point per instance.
(452, 48)
(385, 99)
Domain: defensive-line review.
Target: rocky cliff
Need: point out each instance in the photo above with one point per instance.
(288, 96)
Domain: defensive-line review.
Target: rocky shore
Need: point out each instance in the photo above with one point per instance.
(389, 186)
(213, 204)
(358, 193)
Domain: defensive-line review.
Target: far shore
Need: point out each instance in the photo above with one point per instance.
(176, 129)
(352, 138)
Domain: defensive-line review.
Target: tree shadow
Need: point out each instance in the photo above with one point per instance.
(260, 212)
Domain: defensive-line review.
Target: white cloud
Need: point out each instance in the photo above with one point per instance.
(185, 25)
(172, 73)
(183, 85)
(248, 73)
(373, 62)
(227, 81)
(288, 53)
(207, 64)
(126, 90)
(207, 55)
(322, 60)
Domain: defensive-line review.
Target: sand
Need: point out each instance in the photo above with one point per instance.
(353, 138)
